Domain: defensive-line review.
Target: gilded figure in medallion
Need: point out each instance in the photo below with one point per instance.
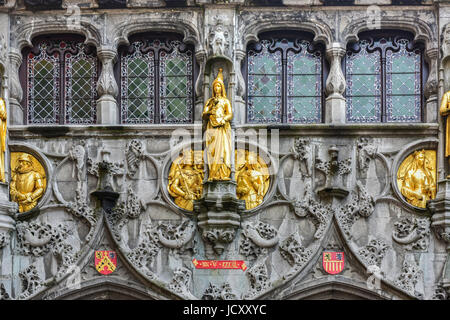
(2, 139)
(416, 177)
(27, 184)
(186, 178)
(218, 113)
(252, 178)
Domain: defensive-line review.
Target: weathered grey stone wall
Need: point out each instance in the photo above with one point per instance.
(282, 240)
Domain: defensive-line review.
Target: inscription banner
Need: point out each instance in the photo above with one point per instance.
(219, 264)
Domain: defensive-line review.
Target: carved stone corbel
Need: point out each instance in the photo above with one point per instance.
(107, 111)
(335, 85)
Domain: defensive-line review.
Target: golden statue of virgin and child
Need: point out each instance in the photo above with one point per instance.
(186, 173)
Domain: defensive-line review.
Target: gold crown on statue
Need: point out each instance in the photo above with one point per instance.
(219, 80)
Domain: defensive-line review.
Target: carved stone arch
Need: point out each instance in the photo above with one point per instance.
(322, 32)
(112, 288)
(30, 30)
(421, 30)
(334, 290)
(125, 29)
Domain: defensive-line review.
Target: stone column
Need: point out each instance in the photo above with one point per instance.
(440, 222)
(15, 89)
(239, 102)
(335, 86)
(107, 109)
(431, 87)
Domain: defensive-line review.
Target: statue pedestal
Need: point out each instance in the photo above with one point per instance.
(218, 213)
(440, 222)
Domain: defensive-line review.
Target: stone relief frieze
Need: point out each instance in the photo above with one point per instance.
(257, 238)
(408, 278)
(373, 253)
(31, 281)
(293, 252)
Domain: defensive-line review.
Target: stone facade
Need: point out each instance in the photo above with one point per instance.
(107, 183)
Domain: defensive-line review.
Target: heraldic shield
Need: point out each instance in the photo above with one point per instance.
(333, 262)
(105, 261)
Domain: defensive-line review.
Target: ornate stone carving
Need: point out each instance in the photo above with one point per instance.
(256, 238)
(107, 85)
(374, 252)
(3, 50)
(77, 154)
(310, 207)
(4, 239)
(259, 279)
(3, 294)
(219, 37)
(175, 237)
(224, 292)
(334, 171)
(413, 233)
(366, 153)
(408, 277)
(81, 209)
(440, 293)
(292, 250)
(30, 280)
(105, 170)
(123, 211)
(303, 152)
(335, 84)
(181, 281)
(360, 205)
(134, 155)
(144, 254)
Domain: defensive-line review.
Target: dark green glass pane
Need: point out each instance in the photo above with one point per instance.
(364, 85)
(304, 109)
(175, 66)
(138, 108)
(138, 68)
(176, 86)
(266, 109)
(264, 85)
(366, 108)
(175, 109)
(302, 65)
(404, 63)
(402, 106)
(364, 64)
(138, 88)
(265, 64)
(403, 83)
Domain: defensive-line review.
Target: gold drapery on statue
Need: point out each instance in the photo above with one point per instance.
(3, 119)
(218, 113)
(416, 177)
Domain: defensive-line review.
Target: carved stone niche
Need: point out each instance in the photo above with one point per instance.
(218, 213)
(43, 4)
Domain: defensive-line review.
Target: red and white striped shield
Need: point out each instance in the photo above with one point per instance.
(333, 262)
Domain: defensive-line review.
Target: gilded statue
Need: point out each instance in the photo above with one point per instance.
(27, 184)
(2, 139)
(252, 176)
(416, 177)
(218, 113)
(186, 179)
(445, 111)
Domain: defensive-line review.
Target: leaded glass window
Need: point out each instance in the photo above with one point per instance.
(384, 79)
(157, 81)
(60, 83)
(284, 81)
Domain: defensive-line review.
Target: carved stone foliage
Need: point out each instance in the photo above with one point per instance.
(176, 236)
(3, 294)
(303, 152)
(30, 280)
(366, 153)
(360, 205)
(440, 293)
(257, 238)
(4, 239)
(223, 292)
(105, 171)
(144, 254)
(131, 208)
(134, 154)
(374, 252)
(409, 277)
(413, 233)
(81, 209)
(319, 212)
(181, 281)
(293, 252)
(259, 279)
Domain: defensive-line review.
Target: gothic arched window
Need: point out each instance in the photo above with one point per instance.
(284, 79)
(61, 75)
(385, 75)
(156, 80)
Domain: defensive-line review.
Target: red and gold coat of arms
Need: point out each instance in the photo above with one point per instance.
(105, 261)
(333, 262)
